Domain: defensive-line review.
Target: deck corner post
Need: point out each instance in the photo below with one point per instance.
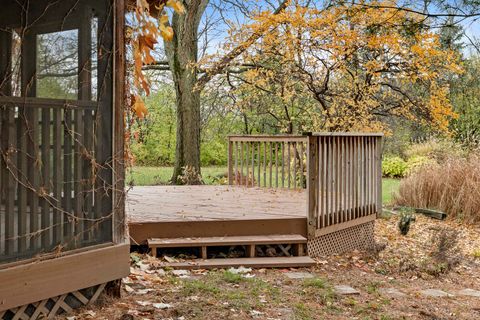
(312, 184)
(378, 156)
(230, 161)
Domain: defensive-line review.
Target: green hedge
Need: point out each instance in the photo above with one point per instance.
(394, 167)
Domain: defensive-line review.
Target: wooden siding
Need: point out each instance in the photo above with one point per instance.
(32, 282)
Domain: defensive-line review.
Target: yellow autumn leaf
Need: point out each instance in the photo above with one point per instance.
(139, 107)
(167, 32)
(176, 5)
(163, 21)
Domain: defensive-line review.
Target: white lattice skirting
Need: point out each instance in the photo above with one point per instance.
(360, 237)
(49, 308)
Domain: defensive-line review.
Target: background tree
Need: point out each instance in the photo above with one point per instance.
(225, 100)
(182, 53)
(359, 64)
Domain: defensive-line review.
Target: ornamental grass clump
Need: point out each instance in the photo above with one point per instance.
(452, 186)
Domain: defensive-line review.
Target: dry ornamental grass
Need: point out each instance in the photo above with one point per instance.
(452, 186)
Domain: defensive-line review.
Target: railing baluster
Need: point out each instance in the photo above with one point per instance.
(370, 179)
(364, 180)
(253, 164)
(58, 216)
(46, 215)
(33, 175)
(22, 190)
(302, 182)
(343, 180)
(294, 165)
(234, 173)
(241, 162)
(354, 177)
(288, 164)
(323, 180)
(350, 179)
(10, 137)
(276, 164)
(283, 164)
(78, 190)
(259, 182)
(270, 163)
(67, 174)
(247, 162)
(329, 181)
(265, 164)
(230, 159)
(337, 181)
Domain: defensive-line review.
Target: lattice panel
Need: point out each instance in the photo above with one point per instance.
(359, 237)
(49, 308)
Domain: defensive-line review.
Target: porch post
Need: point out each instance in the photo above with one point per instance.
(378, 161)
(312, 184)
(230, 161)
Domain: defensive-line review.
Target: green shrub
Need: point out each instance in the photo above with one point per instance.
(394, 167)
(214, 152)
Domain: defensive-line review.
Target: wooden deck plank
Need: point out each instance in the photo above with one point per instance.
(277, 262)
(226, 241)
(212, 203)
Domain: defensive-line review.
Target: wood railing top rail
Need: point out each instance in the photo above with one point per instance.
(46, 103)
(267, 138)
(300, 137)
(344, 134)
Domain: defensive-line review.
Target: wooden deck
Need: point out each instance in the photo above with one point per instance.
(210, 211)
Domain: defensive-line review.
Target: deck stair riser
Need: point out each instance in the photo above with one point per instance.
(140, 232)
(277, 262)
(283, 242)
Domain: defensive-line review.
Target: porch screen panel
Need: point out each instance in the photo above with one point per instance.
(56, 96)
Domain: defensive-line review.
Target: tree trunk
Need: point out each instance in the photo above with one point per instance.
(187, 151)
(182, 54)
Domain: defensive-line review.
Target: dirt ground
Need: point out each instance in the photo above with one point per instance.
(435, 254)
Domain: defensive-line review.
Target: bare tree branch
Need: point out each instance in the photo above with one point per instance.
(220, 66)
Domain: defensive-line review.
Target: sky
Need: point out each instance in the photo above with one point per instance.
(220, 11)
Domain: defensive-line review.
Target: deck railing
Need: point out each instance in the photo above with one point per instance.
(344, 180)
(267, 161)
(341, 173)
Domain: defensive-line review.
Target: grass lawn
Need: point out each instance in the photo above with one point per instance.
(148, 176)
(389, 187)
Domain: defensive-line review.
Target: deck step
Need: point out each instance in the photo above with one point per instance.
(289, 244)
(225, 241)
(275, 262)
